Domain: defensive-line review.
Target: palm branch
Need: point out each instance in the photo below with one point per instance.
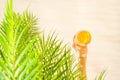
(101, 76)
(27, 54)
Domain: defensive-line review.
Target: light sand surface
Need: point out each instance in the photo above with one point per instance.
(100, 17)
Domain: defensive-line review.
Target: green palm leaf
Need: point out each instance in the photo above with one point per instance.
(101, 76)
(25, 54)
(17, 36)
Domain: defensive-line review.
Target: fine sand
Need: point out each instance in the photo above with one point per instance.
(100, 17)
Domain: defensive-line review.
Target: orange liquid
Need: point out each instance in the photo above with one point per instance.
(84, 37)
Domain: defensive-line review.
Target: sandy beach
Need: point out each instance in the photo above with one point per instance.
(100, 17)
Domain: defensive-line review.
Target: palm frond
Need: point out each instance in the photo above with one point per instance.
(57, 59)
(101, 76)
(18, 33)
(27, 55)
